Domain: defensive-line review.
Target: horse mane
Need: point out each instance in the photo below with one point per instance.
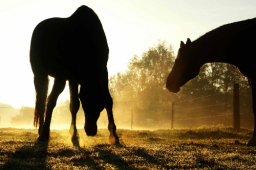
(227, 29)
(219, 40)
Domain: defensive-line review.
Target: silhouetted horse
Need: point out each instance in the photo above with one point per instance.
(73, 49)
(232, 43)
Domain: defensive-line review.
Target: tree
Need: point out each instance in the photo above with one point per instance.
(142, 86)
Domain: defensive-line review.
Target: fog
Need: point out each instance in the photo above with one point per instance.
(141, 100)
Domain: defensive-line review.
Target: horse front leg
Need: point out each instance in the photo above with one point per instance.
(74, 107)
(252, 83)
(113, 138)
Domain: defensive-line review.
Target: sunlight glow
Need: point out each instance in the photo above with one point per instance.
(131, 28)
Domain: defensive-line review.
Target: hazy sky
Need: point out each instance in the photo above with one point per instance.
(131, 27)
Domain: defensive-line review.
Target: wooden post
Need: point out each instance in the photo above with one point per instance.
(236, 109)
(226, 97)
(172, 114)
(131, 117)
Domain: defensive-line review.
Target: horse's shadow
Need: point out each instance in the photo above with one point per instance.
(216, 134)
(101, 156)
(104, 156)
(116, 156)
(30, 156)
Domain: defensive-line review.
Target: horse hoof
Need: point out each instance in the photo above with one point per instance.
(252, 142)
(113, 139)
(75, 137)
(75, 140)
(42, 139)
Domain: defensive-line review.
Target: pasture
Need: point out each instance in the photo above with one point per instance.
(214, 147)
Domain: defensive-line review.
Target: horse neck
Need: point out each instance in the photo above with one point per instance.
(207, 52)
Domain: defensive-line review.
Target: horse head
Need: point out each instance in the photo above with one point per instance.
(93, 102)
(185, 68)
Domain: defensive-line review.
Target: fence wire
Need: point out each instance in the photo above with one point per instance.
(226, 104)
(201, 107)
(219, 103)
(204, 117)
(196, 98)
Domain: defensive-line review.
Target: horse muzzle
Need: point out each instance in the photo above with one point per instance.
(90, 129)
(172, 88)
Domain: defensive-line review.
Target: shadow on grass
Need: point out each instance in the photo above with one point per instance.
(218, 134)
(101, 157)
(30, 156)
(122, 157)
(33, 156)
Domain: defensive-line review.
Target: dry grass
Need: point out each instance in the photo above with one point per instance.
(203, 148)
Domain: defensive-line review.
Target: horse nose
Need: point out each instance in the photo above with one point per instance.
(168, 85)
(172, 87)
(90, 130)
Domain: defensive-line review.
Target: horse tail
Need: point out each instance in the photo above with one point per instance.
(36, 118)
(41, 86)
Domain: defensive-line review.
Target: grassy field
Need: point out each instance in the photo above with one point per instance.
(203, 148)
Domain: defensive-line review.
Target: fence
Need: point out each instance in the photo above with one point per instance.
(235, 104)
(215, 110)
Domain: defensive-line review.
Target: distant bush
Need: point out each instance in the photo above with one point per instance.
(25, 117)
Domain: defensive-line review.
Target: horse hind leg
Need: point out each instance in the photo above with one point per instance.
(41, 87)
(113, 138)
(58, 87)
(252, 83)
(74, 107)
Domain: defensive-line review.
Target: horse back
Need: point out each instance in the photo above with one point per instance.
(242, 46)
(65, 46)
(231, 43)
(45, 54)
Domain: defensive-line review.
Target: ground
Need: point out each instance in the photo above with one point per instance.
(203, 148)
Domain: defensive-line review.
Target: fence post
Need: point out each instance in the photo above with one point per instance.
(131, 117)
(172, 114)
(236, 109)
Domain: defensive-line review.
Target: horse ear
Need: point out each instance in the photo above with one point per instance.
(188, 41)
(182, 44)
